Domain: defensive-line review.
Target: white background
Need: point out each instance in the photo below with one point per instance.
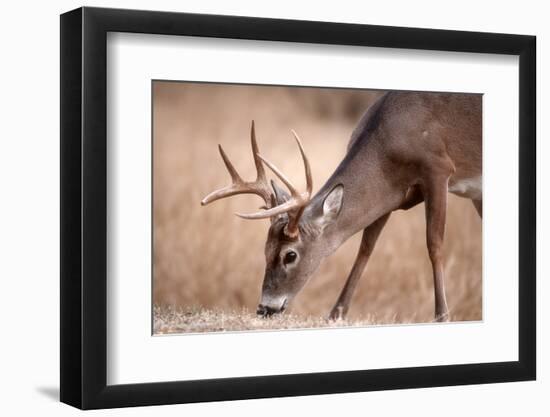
(29, 226)
(134, 356)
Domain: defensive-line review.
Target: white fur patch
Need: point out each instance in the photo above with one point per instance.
(275, 303)
(467, 187)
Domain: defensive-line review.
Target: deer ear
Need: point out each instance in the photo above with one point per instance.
(333, 204)
(281, 195)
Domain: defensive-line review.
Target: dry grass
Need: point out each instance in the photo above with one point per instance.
(208, 261)
(170, 320)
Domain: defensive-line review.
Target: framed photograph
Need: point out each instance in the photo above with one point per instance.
(383, 181)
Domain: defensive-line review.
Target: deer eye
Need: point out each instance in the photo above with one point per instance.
(290, 257)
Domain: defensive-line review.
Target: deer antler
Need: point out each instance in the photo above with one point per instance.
(239, 186)
(294, 207)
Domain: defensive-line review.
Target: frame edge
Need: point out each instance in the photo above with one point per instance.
(83, 211)
(527, 244)
(70, 208)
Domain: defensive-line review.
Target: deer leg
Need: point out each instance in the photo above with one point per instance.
(370, 235)
(478, 204)
(436, 207)
(413, 197)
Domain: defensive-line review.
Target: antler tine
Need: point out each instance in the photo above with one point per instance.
(282, 177)
(232, 171)
(294, 207)
(255, 151)
(265, 214)
(230, 190)
(309, 178)
(239, 186)
(221, 193)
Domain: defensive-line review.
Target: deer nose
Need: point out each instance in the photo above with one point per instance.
(265, 311)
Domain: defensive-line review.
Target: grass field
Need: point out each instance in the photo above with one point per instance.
(208, 263)
(170, 320)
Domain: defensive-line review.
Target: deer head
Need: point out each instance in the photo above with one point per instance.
(294, 246)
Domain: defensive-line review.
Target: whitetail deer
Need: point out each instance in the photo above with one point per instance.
(408, 148)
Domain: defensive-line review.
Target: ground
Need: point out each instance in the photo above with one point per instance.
(169, 320)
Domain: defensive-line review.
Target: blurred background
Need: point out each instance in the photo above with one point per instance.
(207, 258)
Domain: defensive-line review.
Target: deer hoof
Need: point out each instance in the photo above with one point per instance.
(337, 313)
(443, 318)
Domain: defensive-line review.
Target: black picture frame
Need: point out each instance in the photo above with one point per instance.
(84, 207)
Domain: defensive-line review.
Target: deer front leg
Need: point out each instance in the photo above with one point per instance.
(436, 208)
(370, 235)
(478, 204)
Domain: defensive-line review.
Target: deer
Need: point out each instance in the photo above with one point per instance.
(408, 148)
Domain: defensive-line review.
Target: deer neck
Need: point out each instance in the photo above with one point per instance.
(368, 195)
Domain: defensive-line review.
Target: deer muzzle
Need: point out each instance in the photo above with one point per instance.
(269, 309)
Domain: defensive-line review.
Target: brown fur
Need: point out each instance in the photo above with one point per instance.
(408, 148)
